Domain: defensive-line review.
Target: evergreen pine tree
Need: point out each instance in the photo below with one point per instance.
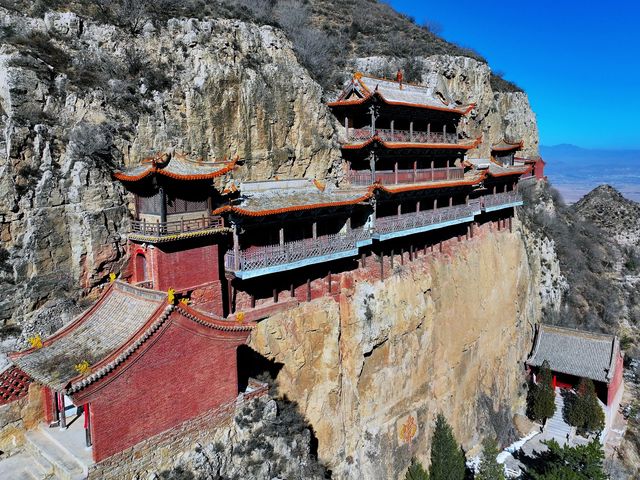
(490, 469)
(584, 411)
(543, 396)
(416, 471)
(582, 462)
(447, 459)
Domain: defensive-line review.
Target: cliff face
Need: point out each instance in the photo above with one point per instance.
(225, 88)
(442, 334)
(497, 115)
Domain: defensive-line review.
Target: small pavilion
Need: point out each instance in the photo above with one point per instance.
(576, 354)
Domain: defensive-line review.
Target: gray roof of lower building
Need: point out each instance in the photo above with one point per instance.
(576, 352)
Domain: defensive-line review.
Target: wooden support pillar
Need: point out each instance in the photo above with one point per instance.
(236, 248)
(281, 233)
(230, 292)
(411, 131)
(292, 291)
(444, 132)
(392, 260)
(471, 228)
(441, 249)
(253, 300)
(411, 253)
(451, 201)
(468, 232)
(511, 224)
(402, 256)
(395, 172)
(399, 209)
(163, 205)
(428, 130)
(63, 413)
(314, 230)
(87, 425)
(372, 166)
(373, 121)
(392, 129)
(308, 289)
(494, 189)
(448, 170)
(504, 189)
(346, 127)
(435, 203)
(382, 265)
(432, 170)
(363, 259)
(417, 206)
(275, 295)
(425, 250)
(329, 279)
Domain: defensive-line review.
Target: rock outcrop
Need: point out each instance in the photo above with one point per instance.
(442, 334)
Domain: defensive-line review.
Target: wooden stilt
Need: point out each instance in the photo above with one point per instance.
(292, 291)
(391, 260)
(402, 256)
(381, 265)
(511, 224)
(329, 282)
(275, 295)
(253, 301)
(87, 425)
(441, 249)
(63, 414)
(308, 289)
(363, 259)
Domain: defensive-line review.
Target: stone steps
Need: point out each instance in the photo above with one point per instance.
(23, 466)
(46, 450)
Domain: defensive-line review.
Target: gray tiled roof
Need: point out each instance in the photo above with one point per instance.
(99, 332)
(495, 168)
(276, 195)
(414, 94)
(575, 352)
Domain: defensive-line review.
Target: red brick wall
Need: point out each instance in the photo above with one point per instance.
(179, 265)
(186, 370)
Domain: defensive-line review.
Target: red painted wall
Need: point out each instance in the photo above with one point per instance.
(186, 370)
(539, 169)
(179, 265)
(616, 381)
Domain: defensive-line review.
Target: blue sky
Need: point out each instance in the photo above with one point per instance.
(578, 61)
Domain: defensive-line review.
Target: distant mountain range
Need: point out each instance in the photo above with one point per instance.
(575, 171)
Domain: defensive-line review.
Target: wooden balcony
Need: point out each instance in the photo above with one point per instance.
(268, 259)
(390, 177)
(400, 136)
(498, 201)
(144, 230)
(417, 222)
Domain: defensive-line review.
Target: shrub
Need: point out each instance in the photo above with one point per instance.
(416, 471)
(447, 458)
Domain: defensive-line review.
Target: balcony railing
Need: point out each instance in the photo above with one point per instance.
(362, 134)
(389, 177)
(273, 255)
(498, 199)
(408, 221)
(162, 229)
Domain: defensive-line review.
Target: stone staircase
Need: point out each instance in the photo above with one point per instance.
(55, 458)
(556, 427)
(24, 466)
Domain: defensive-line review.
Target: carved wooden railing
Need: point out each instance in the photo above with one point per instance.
(274, 255)
(408, 221)
(497, 199)
(161, 229)
(389, 177)
(361, 134)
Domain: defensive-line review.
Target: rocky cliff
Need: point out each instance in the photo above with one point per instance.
(445, 333)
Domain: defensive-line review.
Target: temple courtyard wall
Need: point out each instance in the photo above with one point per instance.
(447, 331)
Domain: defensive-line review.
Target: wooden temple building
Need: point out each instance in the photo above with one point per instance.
(576, 354)
(210, 255)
